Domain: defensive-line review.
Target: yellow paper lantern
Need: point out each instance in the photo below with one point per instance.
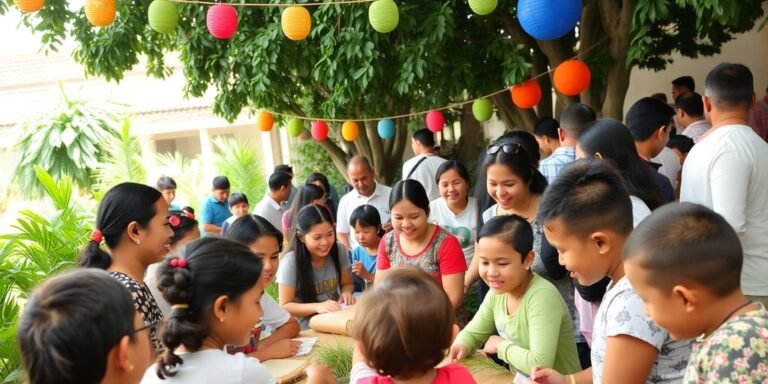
(29, 5)
(350, 131)
(100, 13)
(296, 23)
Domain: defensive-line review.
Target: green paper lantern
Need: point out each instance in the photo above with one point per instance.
(383, 15)
(163, 16)
(295, 127)
(482, 109)
(483, 7)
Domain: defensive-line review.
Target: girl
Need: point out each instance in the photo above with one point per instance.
(415, 241)
(366, 222)
(214, 289)
(266, 242)
(308, 194)
(314, 276)
(133, 221)
(527, 311)
(403, 327)
(455, 210)
(69, 335)
(331, 196)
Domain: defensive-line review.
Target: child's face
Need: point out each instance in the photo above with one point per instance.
(453, 187)
(319, 239)
(239, 209)
(268, 250)
(409, 220)
(242, 315)
(505, 186)
(169, 195)
(367, 236)
(501, 266)
(138, 351)
(584, 256)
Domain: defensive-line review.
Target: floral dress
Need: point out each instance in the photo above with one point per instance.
(145, 304)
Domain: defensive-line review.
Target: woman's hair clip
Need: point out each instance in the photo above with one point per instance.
(178, 262)
(174, 221)
(97, 236)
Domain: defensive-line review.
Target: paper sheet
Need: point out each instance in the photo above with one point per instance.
(306, 345)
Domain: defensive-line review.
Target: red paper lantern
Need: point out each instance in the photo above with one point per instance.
(435, 121)
(222, 21)
(319, 130)
(572, 77)
(526, 95)
(265, 121)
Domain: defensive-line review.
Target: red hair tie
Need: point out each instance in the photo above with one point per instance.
(174, 221)
(97, 236)
(178, 263)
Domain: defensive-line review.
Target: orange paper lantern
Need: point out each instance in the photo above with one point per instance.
(29, 5)
(572, 77)
(526, 95)
(296, 23)
(265, 121)
(350, 131)
(100, 13)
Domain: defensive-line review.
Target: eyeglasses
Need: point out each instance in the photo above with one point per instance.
(151, 327)
(508, 148)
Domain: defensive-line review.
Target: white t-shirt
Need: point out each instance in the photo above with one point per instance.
(639, 210)
(622, 312)
(352, 200)
(274, 315)
(463, 225)
(727, 171)
(213, 366)
(670, 165)
(425, 173)
(271, 210)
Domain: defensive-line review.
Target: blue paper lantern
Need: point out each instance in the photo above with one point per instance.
(548, 19)
(386, 129)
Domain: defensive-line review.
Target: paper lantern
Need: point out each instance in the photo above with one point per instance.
(435, 121)
(295, 127)
(221, 21)
(526, 95)
(383, 15)
(386, 129)
(548, 19)
(265, 121)
(29, 5)
(163, 16)
(572, 77)
(296, 23)
(482, 109)
(100, 13)
(350, 131)
(319, 130)
(483, 7)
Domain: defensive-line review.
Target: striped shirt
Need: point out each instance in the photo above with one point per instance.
(552, 165)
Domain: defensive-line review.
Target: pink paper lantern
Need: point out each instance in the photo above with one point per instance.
(435, 121)
(319, 130)
(222, 21)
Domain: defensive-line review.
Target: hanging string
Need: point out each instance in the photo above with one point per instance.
(264, 5)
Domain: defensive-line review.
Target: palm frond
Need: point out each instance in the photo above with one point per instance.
(188, 174)
(243, 165)
(121, 161)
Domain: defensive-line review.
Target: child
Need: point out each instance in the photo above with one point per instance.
(526, 311)
(238, 206)
(587, 216)
(214, 289)
(167, 186)
(403, 327)
(366, 222)
(314, 276)
(685, 262)
(266, 242)
(69, 335)
(307, 195)
(214, 209)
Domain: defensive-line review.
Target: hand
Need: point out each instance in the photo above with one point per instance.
(492, 345)
(458, 352)
(358, 267)
(540, 375)
(282, 349)
(347, 298)
(327, 306)
(319, 374)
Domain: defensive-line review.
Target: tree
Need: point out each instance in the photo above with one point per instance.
(440, 53)
(121, 162)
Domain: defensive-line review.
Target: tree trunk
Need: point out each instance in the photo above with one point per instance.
(472, 138)
(616, 19)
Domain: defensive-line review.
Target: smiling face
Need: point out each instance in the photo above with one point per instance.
(504, 186)
(453, 187)
(501, 266)
(408, 220)
(155, 238)
(268, 250)
(584, 256)
(319, 239)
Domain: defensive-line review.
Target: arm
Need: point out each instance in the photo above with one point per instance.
(287, 297)
(550, 259)
(729, 182)
(347, 287)
(452, 267)
(382, 261)
(619, 369)
(210, 228)
(344, 238)
(454, 288)
(288, 330)
(541, 375)
(479, 328)
(473, 273)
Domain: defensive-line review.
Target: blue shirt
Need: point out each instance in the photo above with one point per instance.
(369, 262)
(214, 212)
(552, 165)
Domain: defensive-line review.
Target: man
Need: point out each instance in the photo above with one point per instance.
(690, 115)
(650, 122)
(214, 209)
(271, 205)
(758, 117)
(423, 166)
(682, 85)
(728, 170)
(545, 131)
(366, 191)
(285, 168)
(573, 120)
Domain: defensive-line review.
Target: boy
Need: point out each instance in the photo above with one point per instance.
(545, 131)
(167, 186)
(271, 205)
(587, 216)
(238, 206)
(685, 263)
(214, 208)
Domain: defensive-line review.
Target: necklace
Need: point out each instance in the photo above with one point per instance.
(729, 316)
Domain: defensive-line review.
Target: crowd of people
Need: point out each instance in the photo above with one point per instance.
(629, 254)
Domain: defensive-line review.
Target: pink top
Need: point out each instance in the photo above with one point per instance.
(451, 373)
(442, 255)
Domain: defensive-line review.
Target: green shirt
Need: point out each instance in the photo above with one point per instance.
(539, 333)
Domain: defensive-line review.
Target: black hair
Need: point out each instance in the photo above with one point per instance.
(120, 206)
(456, 165)
(575, 117)
(221, 182)
(685, 81)
(346, 188)
(187, 222)
(367, 216)
(646, 116)
(588, 195)
(237, 198)
(214, 267)
(730, 85)
(660, 97)
(412, 191)
(513, 230)
(308, 217)
(316, 176)
(517, 158)
(546, 126)
(687, 242)
(66, 332)
(278, 180)
(613, 141)
(682, 143)
(305, 196)
(249, 228)
(283, 168)
(691, 104)
(166, 182)
(425, 137)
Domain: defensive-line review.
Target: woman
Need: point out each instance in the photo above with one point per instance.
(331, 195)
(308, 194)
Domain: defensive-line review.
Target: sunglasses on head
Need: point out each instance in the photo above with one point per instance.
(508, 148)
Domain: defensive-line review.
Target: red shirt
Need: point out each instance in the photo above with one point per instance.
(442, 255)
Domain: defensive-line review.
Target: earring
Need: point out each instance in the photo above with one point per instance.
(130, 367)
(138, 242)
(221, 319)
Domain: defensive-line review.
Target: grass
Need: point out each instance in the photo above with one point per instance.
(336, 357)
(478, 362)
(271, 290)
